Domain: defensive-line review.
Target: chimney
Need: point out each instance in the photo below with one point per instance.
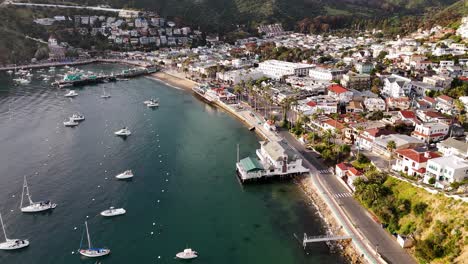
(427, 154)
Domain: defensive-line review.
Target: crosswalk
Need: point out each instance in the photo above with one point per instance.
(326, 171)
(342, 195)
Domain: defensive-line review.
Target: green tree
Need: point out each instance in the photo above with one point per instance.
(391, 146)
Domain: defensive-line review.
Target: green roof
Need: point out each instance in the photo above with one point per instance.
(250, 164)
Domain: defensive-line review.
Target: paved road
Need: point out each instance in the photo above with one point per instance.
(379, 239)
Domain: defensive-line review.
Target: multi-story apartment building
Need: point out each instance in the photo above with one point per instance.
(352, 80)
(430, 131)
(276, 69)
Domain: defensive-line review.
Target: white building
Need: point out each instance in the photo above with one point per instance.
(276, 69)
(323, 74)
(364, 67)
(436, 80)
(340, 93)
(275, 158)
(396, 86)
(446, 170)
(374, 104)
(413, 162)
(453, 147)
(430, 132)
(422, 88)
(236, 76)
(312, 105)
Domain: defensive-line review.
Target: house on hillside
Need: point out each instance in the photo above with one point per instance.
(430, 132)
(340, 93)
(413, 162)
(446, 170)
(396, 86)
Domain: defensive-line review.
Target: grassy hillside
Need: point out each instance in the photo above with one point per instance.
(439, 224)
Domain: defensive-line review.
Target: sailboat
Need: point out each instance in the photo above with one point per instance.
(91, 252)
(11, 244)
(104, 95)
(34, 207)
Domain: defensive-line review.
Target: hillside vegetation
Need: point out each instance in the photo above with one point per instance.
(439, 224)
(227, 15)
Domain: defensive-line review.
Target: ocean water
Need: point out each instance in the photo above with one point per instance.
(184, 194)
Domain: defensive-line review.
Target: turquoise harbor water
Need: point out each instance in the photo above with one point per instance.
(183, 156)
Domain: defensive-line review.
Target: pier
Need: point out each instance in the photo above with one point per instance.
(323, 238)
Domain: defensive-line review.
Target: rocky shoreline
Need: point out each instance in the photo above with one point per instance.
(346, 248)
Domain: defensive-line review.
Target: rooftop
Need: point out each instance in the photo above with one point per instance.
(338, 89)
(419, 157)
(279, 149)
(451, 162)
(456, 144)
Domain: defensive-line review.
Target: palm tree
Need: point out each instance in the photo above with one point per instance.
(327, 135)
(391, 145)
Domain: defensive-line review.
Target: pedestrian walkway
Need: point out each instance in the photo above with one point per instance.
(326, 171)
(342, 195)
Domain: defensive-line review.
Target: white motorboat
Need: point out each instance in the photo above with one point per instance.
(45, 79)
(63, 85)
(152, 104)
(34, 207)
(113, 212)
(188, 253)
(124, 132)
(70, 123)
(22, 80)
(11, 244)
(128, 174)
(52, 69)
(71, 93)
(91, 252)
(9, 71)
(77, 117)
(151, 101)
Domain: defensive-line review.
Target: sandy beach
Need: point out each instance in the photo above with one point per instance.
(173, 80)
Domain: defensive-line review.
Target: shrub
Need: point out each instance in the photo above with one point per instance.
(432, 180)
(420, 208)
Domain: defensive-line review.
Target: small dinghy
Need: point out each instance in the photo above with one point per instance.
(188, 253)
(70, 123)
(124, 132)
(71, 93)
(113, 212)
(77, 117)
(125, 175)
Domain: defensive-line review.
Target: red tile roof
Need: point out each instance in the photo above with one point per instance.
(377, 132)
(429, 99)
(343, 166)
(312, 103)
(354, 171)
(418, 157)
(446, 98)
(408, 114)
(335, 124)
(338, 89)
(434, 114)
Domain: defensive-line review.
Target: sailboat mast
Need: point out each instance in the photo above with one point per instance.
(3, 227)
(27, 190)
(87, 234)
(22, 193)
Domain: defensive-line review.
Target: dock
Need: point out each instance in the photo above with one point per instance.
(78, 80)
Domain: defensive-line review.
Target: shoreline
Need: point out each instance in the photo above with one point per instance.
(173, 80)
(308, 189)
